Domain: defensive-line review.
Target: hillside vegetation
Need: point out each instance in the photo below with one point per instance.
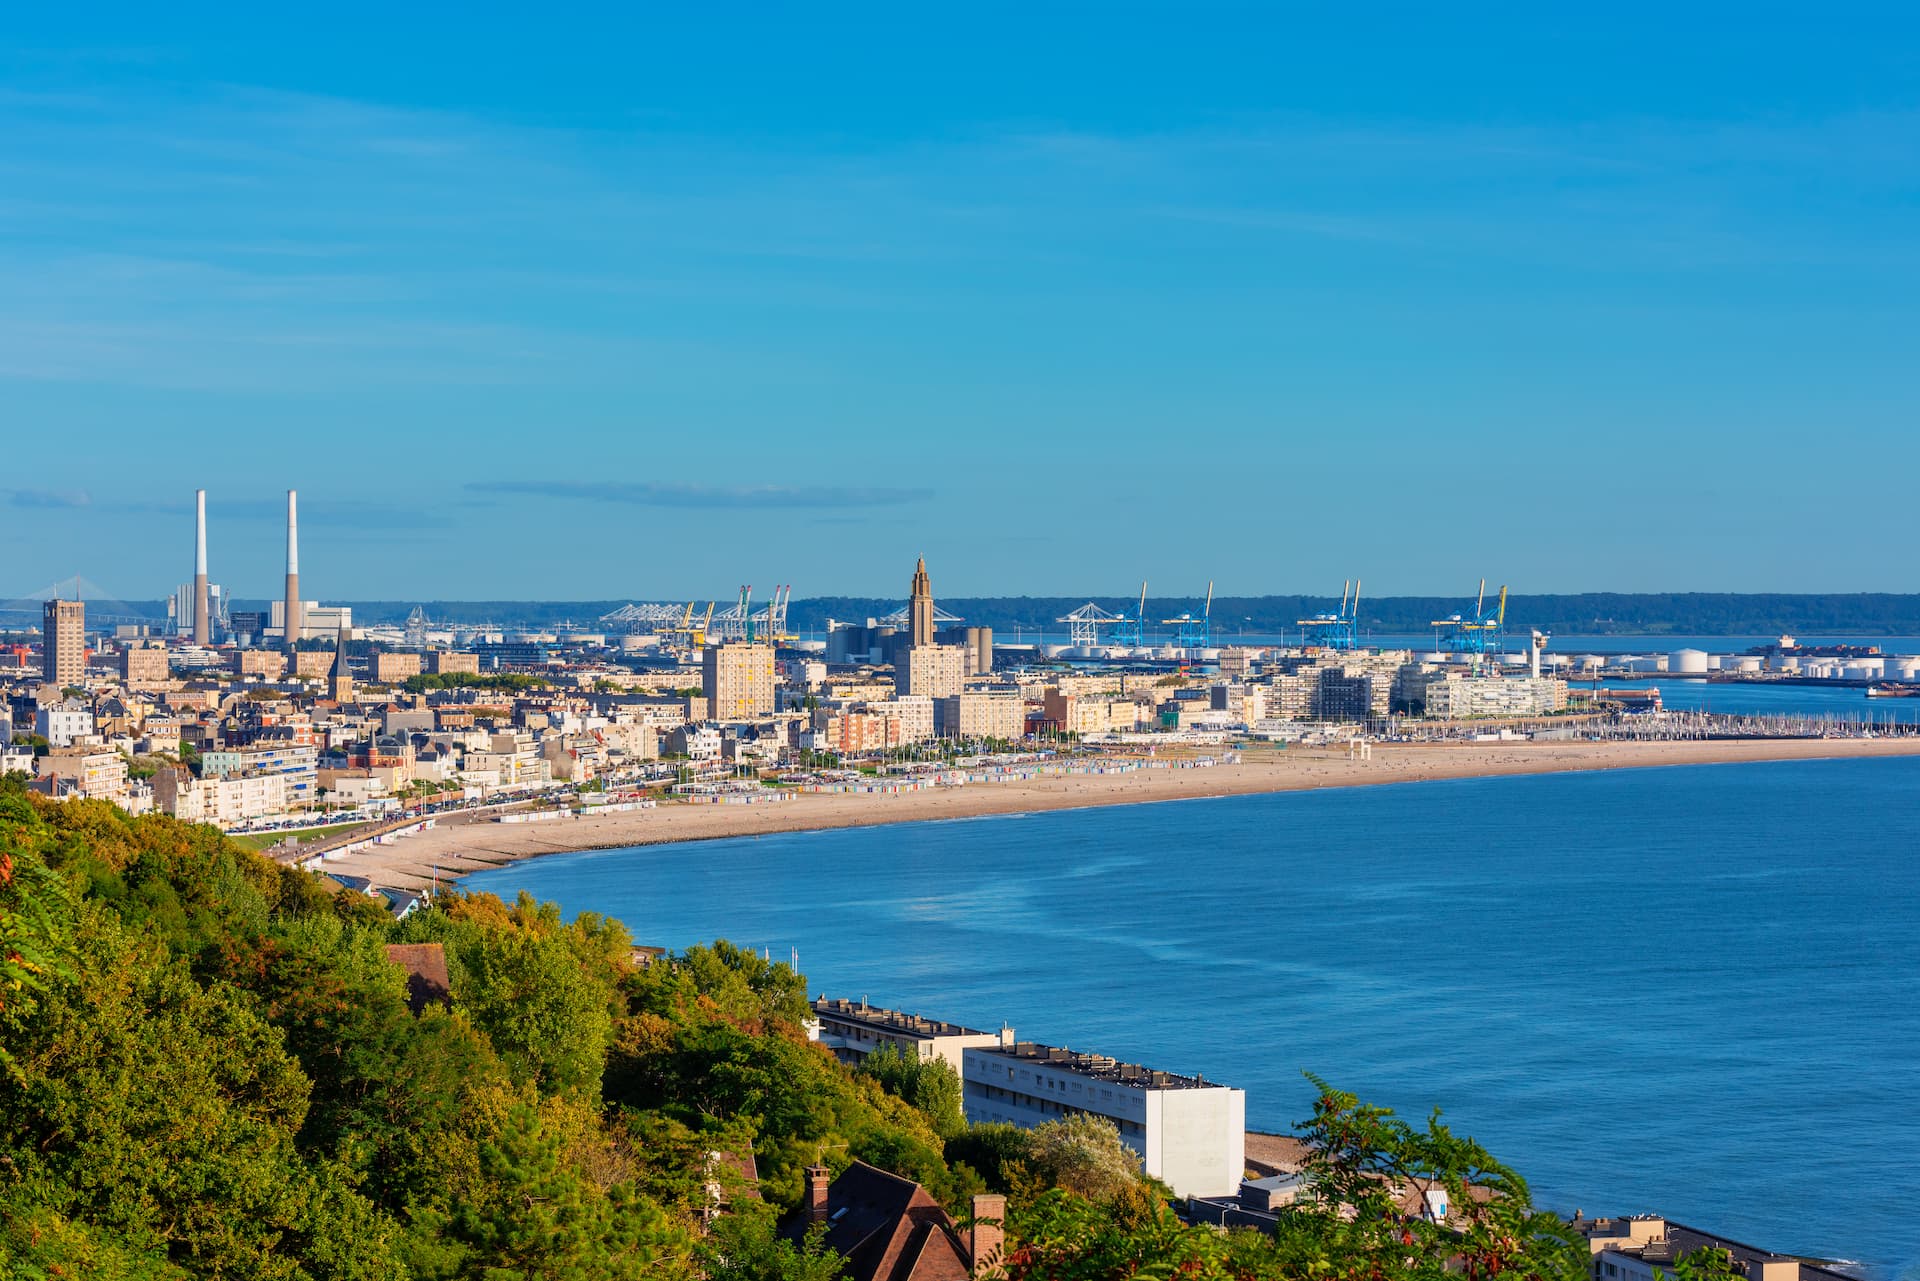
(209, 1068)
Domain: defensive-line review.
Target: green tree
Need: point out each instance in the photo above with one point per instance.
(1083, 1154)
(745, 1247)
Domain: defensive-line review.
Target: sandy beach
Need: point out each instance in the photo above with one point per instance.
(456, 847)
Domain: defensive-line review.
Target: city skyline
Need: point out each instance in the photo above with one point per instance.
(1255, 300)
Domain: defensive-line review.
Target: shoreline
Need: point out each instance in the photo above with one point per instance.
(452, 850)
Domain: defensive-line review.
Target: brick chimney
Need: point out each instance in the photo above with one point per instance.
(817, 1178)
(988, 1233)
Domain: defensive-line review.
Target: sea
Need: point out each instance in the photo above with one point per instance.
(1688, 990)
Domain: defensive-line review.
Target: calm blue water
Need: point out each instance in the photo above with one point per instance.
(1685, 990)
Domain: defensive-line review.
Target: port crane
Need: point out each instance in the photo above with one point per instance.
(1132, 632)
(1476, 636)
(1191, 632)
(1084, 624)
(1338, 631)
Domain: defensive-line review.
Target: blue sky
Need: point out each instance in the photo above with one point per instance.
(645, 304)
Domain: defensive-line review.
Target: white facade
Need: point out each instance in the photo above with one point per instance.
(62, 723)
(1189, 1133)
(853, 1030)
(223, 802)
(1468, 696)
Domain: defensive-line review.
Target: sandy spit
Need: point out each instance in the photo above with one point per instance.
(457, 847)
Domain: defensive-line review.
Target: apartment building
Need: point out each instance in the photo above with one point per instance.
(443, 662)
(143, 665)
(267, 664)
(63, 654)
(296, 762)
(61, 724)
(98, 775)
(1001, 716)
(1645, 1247)
(737, 680)
(933, 671)
(847, 732)
(1458, 697)
(1189, 1132)
(224, 802)
(913, 711)
(390, 668)
(854, 1029)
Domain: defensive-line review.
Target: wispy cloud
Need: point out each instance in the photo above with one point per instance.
(650, 494)
(47, 498)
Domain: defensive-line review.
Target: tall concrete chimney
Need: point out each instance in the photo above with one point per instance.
(296, 615)
(202, 625)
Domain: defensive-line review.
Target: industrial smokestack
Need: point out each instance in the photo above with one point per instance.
(202, 625)
(295, 619)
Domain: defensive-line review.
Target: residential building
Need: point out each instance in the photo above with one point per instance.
(267, 664)
(1343, 695)
(1645, 1247)
(1459, 697)
(224, 802)
(1189, 1132)
(854, 1029)
(936, 671)
(62, 723)
(444, 662)
(143, 665)
(390, 668)
(914, 712)
(1002, 716)
(63, 659)
(737, 680)
(891, 1229)
(85, 772)
(296, 762)
(848, 732)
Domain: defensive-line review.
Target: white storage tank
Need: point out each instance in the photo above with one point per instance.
(1747, 663)
(1690, 662)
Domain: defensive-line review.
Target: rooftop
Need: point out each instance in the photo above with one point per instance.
(891, 1020)
(1100, 1067)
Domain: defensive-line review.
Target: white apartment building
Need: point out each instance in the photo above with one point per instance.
(298, 763)
(223, 802)
(1189, 1132)
(1458, 697)
(854, 1029)
(61, 724)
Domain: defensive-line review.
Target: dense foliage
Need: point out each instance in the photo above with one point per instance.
(209, 1068)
